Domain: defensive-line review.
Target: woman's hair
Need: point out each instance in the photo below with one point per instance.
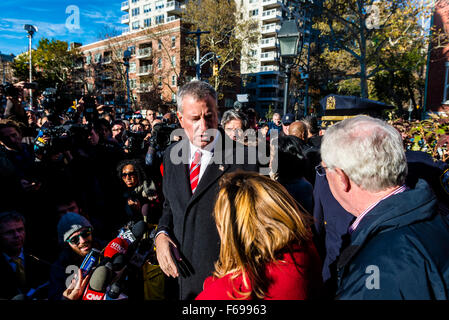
(258, 221)
(231, 114)
(138, 167)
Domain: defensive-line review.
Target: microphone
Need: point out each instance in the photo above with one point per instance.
(116, 246)
(89, 262)
(98, 283)
(114, 292)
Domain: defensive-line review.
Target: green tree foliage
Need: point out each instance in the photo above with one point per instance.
(53, 64)
(381, 44)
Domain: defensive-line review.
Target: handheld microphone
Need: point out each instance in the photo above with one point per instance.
(98, 283)
(89, 262)
(114, 292)
(116, 246)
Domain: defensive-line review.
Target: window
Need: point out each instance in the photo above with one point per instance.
(160, 83)
(135, 12)
(173, 97)
(135, 25)
(132, 67)
(159, 5)
(134, 1)
(173, 81)
(146, 8)
(159, 44)
(254, 12)
(132, 49)
(88, 59)
(173, 61)
(97, 57)
(132, 83)
(159, 19)
(147, 22)
(159, 63)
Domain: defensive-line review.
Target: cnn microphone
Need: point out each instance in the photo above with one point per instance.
(98, 283)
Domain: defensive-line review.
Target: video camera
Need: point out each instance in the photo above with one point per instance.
(160, 137)
(61, 138)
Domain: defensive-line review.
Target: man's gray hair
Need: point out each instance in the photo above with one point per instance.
(199, 90)
(231, 114)
(368, 150)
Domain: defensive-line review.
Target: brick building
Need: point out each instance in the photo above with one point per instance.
(155, 66)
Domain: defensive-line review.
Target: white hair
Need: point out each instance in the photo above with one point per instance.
(368, 150)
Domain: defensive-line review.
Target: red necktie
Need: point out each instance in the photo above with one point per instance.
(195, 171)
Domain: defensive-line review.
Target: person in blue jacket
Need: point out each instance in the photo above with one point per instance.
(398, 244)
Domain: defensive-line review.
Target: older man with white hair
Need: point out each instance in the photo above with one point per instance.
(399, 246)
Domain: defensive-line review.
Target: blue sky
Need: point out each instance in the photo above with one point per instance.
(96, 17)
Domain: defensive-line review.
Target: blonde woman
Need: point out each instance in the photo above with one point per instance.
(266, 249)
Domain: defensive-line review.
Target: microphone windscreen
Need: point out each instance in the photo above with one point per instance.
(139, 229)
(118, 262)
(118, 245)
(99, 279)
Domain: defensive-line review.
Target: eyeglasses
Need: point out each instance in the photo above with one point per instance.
(320, 170)
(131, 174)
(76, 239)
(117, 129)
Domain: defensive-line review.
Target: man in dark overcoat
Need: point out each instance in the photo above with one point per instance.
(187, 242)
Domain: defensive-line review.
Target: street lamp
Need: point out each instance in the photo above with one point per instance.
(31, 31)
(290, 45)
(126, 57)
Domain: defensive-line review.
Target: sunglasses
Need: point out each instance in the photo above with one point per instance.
(131, 174)
(76, 239)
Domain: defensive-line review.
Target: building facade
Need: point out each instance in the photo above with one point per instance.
(262, 79)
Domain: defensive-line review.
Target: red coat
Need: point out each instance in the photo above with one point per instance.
(287, 282)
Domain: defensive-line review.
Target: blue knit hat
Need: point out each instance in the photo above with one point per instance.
(70, 223)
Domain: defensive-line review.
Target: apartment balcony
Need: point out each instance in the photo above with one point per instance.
(144, 53)
(270, 68)
(145, 70)
(268, 56)
(144, 87)
(173, 7)
(171, 19)
(270, 29)
(125, 6)
(125, 18)
(269, 83)
(268, 43)
(268, 4)
(268, 96)
(271, 15)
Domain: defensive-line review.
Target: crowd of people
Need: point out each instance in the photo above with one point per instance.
(344, 212)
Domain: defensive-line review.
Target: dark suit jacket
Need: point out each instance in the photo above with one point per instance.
(188, 219)
(37, 273)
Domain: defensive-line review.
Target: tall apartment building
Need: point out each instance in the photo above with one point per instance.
(153, 34)
(262, 78)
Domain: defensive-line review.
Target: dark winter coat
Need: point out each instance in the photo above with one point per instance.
(400, 250)
(188, 219)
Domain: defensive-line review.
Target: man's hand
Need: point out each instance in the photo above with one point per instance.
(164, 257)
(76, 288)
